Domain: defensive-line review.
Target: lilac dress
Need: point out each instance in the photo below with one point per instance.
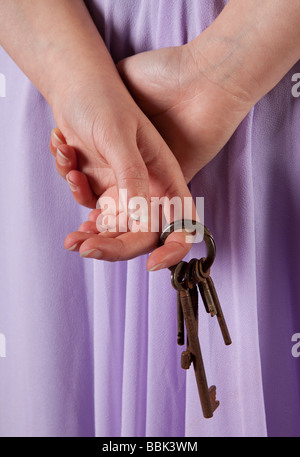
(88, 348)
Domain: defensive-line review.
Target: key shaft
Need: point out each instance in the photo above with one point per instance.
(207, 399)
(219, 313)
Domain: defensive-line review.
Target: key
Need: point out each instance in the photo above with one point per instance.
(205, 277)
(182, 275)
(198, 277)
(180, 322)
(194, 297)
(177, 270)
(207, 395)
(177, 276)
(206, 296)
(220, 315)
(186, 356)
(186, 278)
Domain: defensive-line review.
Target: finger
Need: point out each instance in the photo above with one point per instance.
(65, 160)
(124, 247)
(81, 189)
(130, 171)
(93, 215)
(162, 165)
(167, 170)
(128, 246)
(74, 240)
(177, 201)
(56, 140)
(176, 247)
(88, 227)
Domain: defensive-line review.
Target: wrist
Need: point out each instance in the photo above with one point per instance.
(72, 77)
(57, 48)
(249, 48)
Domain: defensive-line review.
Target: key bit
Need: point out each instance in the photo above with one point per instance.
(186, 360)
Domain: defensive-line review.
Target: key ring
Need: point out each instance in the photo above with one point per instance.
(197, 227)
(177, 280)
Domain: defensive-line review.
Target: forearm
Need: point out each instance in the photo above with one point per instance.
(55, 43)
(250, 46)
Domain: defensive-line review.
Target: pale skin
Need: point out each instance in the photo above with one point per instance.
(117, 146)
(195, 95)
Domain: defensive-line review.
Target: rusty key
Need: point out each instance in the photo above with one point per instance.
(204, 275)
(180, 322)
(180, 267)
(207, 395)
(185, 278)
(192, 354)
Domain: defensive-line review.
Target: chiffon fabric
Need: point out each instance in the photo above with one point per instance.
(90, 346)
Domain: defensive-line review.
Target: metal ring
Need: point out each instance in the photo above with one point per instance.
(193, 226)
(176, 283)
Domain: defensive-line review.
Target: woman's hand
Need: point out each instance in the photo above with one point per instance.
(197, 94)
(195, 115)
(63, 54)
(114, 146)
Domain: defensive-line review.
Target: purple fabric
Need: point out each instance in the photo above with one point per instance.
(91, 346)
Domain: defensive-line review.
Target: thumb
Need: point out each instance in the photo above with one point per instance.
(130, 172)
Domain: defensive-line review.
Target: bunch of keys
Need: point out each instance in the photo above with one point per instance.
(187, 278)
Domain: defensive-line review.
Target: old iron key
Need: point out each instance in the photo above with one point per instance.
(187, 307)
(204, 275)
(200, 273)
(193, 351)
(203, 286)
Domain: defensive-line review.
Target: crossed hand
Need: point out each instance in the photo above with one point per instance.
(148, 133)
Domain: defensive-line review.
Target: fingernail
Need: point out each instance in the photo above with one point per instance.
(96, 254)
(143, 217)
(61, 158)
(56, 137)
(73, 186)
(159, 266)
(138, 209)
(72, 248)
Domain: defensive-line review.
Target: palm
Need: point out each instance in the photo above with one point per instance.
(93, 161)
